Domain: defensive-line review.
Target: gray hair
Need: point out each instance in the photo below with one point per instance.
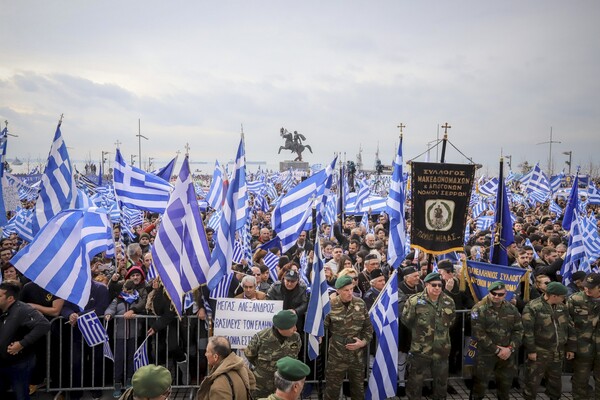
(132, 249)
(249, 279)
(282, 384)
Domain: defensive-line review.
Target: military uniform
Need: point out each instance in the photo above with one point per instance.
(264, 350)
(430, 323)
(293, 371)
(548, 332)
(495, 326)
(584, 312)
(345, 322)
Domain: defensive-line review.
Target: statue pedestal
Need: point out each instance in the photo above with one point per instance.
(286, 165)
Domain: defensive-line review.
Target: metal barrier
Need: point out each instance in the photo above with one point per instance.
(71, 365)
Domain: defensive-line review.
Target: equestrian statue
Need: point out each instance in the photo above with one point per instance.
(293, 142)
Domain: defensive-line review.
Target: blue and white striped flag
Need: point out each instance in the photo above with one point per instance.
(214, 221)
(166, 172)
(23, 222)
(556, 181)
(593, 194)
(290, 215)
(91, 329)
(140, 357)
(215, 192)
(591, 238)
(489, 188)
(58, 190)
(318, 305)
(222, 288)
(238, 252)
(485, 222)
(107, 351)
(304, 269)
(479, 208)
(58, 259)
(572, 204)
(537, 186)
(271, 260)
(395, 209)
(555, 208)
(220, 262)
(363, 194)
(139, 189)
(180, 251)
(384, 317)
(575, 257)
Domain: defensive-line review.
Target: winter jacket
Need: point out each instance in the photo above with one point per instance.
(217, 386)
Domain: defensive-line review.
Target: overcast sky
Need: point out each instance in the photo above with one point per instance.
(343, 73)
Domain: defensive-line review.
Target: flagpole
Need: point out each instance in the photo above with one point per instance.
(444, 141)
(383, 290)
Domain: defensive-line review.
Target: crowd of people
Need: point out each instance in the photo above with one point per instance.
(535, 332)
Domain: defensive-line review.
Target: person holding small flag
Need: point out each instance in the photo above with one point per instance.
(496, 324)
(430, 315)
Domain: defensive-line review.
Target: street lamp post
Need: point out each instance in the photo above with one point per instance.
(140, 136)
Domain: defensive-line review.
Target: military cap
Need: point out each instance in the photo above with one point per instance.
(434, 276)
(497, 285)
(291, 369)
(592, 280)
(557, 288)
(446, 265)
(285, 319)
(291, 275)
(408, 270)
(151, 381)
(343, 281)
(376, 273)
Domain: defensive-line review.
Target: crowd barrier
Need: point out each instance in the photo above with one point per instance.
(71, 365)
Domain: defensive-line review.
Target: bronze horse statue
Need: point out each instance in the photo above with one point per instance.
(293, 142)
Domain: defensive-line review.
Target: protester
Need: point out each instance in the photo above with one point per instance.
(229, 377)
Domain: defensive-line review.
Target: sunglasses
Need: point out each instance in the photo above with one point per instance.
(436, 285)
(497, 294)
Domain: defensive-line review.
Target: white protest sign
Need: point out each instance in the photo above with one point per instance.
(240, 319)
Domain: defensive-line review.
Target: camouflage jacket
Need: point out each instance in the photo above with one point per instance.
(430, 324)
(349, 322)
(547, 327)
(496, 326)
(584, 312)
(265, 349)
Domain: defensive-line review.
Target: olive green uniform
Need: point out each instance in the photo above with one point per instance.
(548, 332)
(430, 324)
(495, 326)
(263, 352)
(345, 322)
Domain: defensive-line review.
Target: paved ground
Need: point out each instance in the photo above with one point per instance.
(463, 393)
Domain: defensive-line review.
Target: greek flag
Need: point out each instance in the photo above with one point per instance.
(575, 259)
(484, 222)
(479, 208)
(591, 238)
(140, 357)
(215, 192)
(556, 181)
(23, 221)
(107, 351)
(489, 188)
(303, 269)
(395, 209)
(220, 262)
(363, 194)
(593, 194)
(215, 220)
(222, 288)
(58, 259)
(57, 190)
(571, 208)
(166, 172)
(180, 251)
(238, 252)
(384, 317)
(139, 189)
(364, 221)
(290, 215)
(537, 183)
(555, 208)
(91, 329)
(271, 260)
(318, 305)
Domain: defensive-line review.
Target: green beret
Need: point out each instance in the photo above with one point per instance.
(151, 381)
(557, 288)
(434, 276)
(497, 285)
(291, 369)
(285, 319)
(343, 281)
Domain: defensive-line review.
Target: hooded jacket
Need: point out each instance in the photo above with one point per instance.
(216, 385)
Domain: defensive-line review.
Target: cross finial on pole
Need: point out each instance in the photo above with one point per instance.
(401, 127)
(446, 127)
(118, 144)
(187, 149)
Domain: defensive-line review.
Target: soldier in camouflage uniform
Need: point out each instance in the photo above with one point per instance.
(548, 331)
(350, 331)
(496, 324)
(429, 314)
(289, 379)
(584, 309)
(270, 345)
